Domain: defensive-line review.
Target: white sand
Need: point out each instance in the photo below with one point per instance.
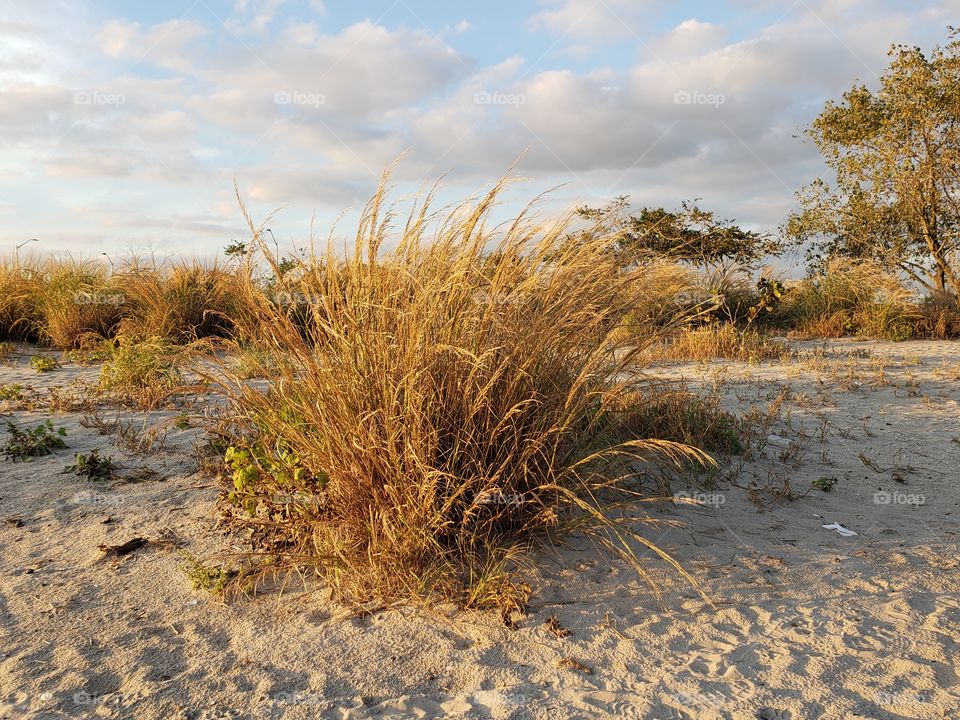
(807, 624)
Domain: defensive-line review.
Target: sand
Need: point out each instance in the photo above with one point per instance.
(806, 623)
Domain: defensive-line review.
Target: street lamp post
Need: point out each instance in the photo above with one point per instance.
(16, 252)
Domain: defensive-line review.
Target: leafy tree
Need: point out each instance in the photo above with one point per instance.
(896, 155)
(689, 234)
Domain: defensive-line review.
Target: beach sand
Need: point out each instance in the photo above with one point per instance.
(805, 622)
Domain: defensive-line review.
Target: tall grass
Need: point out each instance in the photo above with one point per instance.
(18, 313)
(436, 407)
(179, 302)
(78, 300)
(851, 298)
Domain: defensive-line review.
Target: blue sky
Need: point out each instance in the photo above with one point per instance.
(123, 126)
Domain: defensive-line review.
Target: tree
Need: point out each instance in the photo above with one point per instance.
(686, 235)
(896, 156)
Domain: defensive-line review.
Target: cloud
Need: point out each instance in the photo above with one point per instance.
(117, 36)
(171, 44)
(592, 20)
(306, 114)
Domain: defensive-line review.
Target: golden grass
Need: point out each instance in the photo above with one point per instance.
(179, 302)
(436, 407)
(717, 341)
(852, 298)
(18, 286)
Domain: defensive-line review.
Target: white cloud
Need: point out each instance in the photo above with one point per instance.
(592, 19)
(117, 36)
(200, 109)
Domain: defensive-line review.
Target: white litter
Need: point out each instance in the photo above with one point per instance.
(841, 530)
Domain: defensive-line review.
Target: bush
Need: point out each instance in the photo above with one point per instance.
(718, 340)
(19, 288)
(939, 317)
(443, 408)
(43, 363)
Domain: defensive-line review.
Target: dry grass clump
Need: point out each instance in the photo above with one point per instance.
(180, 303)
(851, 298)
(18, 313)
(77, 300)
(718, 340)
(436, 407)
(681, 416)
(939, 317)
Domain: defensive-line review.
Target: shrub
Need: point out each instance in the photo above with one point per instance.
(91, 466)
(681, 417)
(939, 317)
(444, 406)
(850, 297)
(19, 287)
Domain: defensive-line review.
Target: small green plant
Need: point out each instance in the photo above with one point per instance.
(254, 467)
(92, 466)
(43, 363)
(203, 577)
(11, 392)
(33, 442)
(825, 483)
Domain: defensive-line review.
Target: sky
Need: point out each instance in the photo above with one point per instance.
(124, 126)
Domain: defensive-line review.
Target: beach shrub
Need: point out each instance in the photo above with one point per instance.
(718, 341)
(43, 363)
(850, 298)
(19, 287)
